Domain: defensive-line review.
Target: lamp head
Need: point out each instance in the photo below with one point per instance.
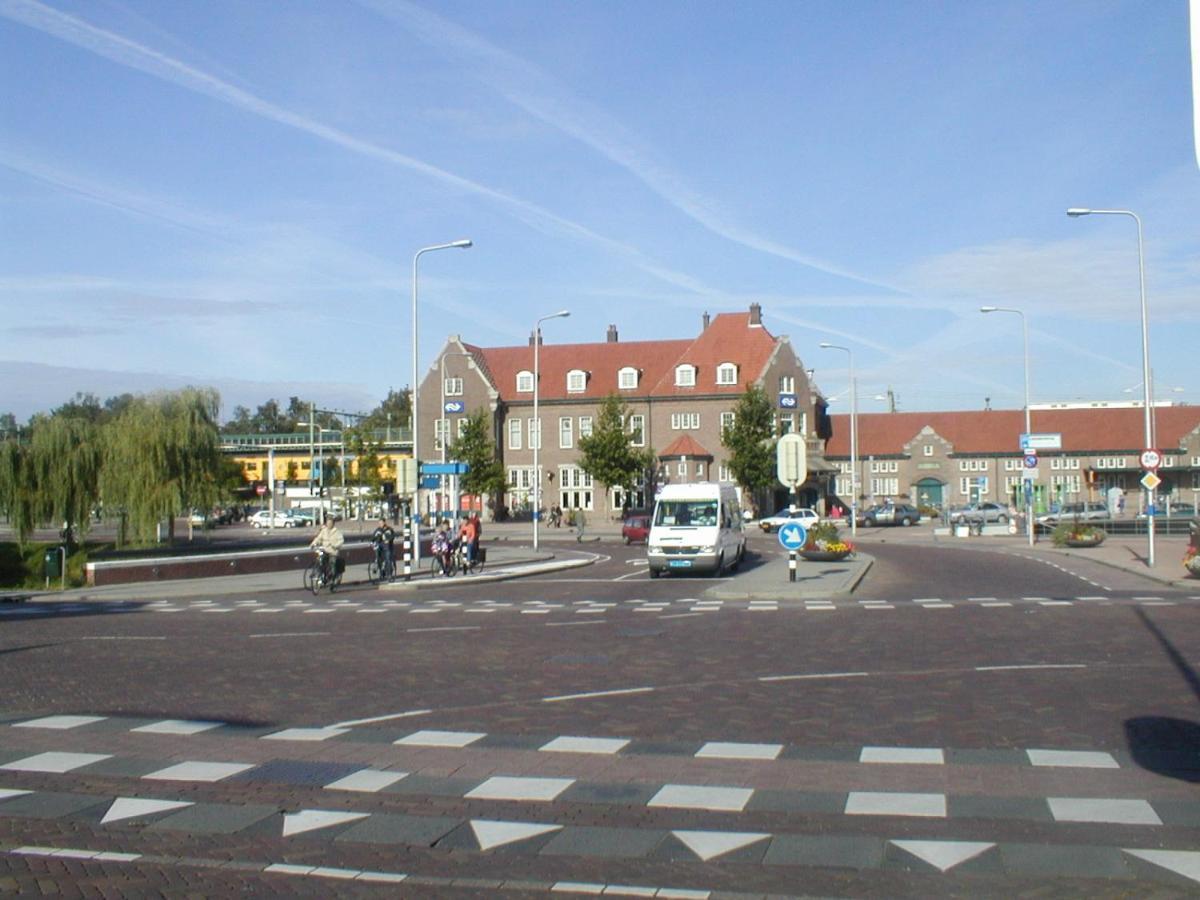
(1075, 212)
(988, 309)
(464, 243)
(824, 345)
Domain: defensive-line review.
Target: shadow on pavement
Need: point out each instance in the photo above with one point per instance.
(1162, 744)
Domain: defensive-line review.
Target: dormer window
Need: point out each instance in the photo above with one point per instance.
(524, 382)
(727, 373)
(627, 378)
(685, 376)
(576, 381)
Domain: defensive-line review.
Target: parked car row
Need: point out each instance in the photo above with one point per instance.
(291, 518)
(903, 514)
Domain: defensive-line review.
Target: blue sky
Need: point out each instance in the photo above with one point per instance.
(231, 193)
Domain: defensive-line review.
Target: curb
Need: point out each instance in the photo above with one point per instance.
(1184, 583)
(422, 583)
(846, 586)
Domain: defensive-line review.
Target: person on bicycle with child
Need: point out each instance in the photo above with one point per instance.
(383, 540)
(328, 543)
(443, 546)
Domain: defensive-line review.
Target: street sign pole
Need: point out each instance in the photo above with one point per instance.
(791, 467)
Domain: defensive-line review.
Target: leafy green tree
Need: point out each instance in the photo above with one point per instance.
(241, 423)
(162, 457)
(474, 447)
(367, 464)
(608, 453)
(393, 412)
(750, 441)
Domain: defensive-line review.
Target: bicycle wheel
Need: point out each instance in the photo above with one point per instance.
(308, 576)
(316, 580)
(373, 572)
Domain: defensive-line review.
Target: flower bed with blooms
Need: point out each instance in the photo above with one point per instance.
(1078, 533)
(824, 538)
(1191, 561)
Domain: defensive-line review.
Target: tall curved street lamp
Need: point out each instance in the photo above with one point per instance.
(1075, 212)
(1025, 338)
(416, 430)
(853, 436)
(537, 423)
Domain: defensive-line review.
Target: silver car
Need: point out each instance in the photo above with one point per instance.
(982, 512)
(1076, 512)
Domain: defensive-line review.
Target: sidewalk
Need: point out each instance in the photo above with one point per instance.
(1129, 553)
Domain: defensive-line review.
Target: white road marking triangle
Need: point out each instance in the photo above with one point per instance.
(312, 819)
(131, 807)
(710, 844)
(492, 834)
(7, 793)
(944, 855)
(1181, 862)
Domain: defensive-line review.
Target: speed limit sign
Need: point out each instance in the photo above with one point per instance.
(1151, 459)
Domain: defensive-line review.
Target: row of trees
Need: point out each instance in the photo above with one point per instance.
(272, 418)
(147, 458)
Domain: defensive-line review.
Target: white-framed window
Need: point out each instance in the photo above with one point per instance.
(841, 485)
(685, 376)
(520, 478)
(574, 488)
(566, 432)
(885, 487)
(787, 384)
(724, 474)
(514, 434)
(727, 373)
(1064, 463)
(576, 381)
(803, 427)
(1110, 462)
(700, 470)
(787, 423)
(440, 428)
(627, 378)
(927, 450)
(1014, 465)
(453, 387)
(884, 465)
(972, 465)
(1195, 462)
(535, 432)
(1196, 481)
(637, 430)
(685, 421)
(1012, 483)
(726, 421)
(966, 486)
(462, 426)
(1169, 462)
(524, 382)
(585, 426)
(681, 469)
(1065, 483)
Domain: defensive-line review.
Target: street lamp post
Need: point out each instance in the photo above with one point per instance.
(537, 424)
(416, 431)
(1028, 430)
(446, 422)
(1074, 213)
(853, 437)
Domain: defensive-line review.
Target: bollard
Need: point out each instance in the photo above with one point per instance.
(407, 550)
(791, 565)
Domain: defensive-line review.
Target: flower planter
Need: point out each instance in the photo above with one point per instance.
(825, 555)
(1192, 564)
(1095, 541)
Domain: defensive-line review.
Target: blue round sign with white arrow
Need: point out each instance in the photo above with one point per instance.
(792, 536)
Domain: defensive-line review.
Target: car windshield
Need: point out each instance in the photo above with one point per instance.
(686, 512)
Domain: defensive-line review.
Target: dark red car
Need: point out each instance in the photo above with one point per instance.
(636, 528)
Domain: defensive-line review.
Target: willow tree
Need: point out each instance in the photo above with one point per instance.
(54, 477)
(16, 494)
(162, 456)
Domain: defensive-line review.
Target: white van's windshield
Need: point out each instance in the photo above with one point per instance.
(686, 512)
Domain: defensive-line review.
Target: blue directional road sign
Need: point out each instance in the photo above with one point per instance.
(792, 536)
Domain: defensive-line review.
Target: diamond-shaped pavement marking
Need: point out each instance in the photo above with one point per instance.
(506, 787)
(622, 843)
(441, 738)
(490, 833)
(9, 793)
(390, 828)
(138, 808)
(585, 745)
(1083, 759)
(1100, 809)
(367, 781)
(944, 855)
(877, 803)
(314, 819)
(836, 852)
(305, 734)
(54, 761)
(193, 770)
(214, 818)
(700, 796)
(1181, 862)
(711, 844)
(903, 755)
(730, 750)
(59, 723)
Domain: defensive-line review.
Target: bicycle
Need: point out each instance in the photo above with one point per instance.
(381, 568)
(318, 574)
(460, 562)
(440, 566)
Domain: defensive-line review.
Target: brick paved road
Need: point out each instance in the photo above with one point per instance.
(977, 712)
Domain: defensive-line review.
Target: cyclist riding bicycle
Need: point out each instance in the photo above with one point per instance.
(328, 543)
(383, 540)
(443, 547)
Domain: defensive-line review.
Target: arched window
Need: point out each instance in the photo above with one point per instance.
(576, 381)
(525, 382)
(727, 373)
(685, 376)
(627, 378)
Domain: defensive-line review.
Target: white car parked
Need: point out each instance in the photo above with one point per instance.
(806, 517)
(263, 519)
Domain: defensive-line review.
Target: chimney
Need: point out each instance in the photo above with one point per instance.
(535, 335)
(705, 320)
(755, 315)
(612, 334)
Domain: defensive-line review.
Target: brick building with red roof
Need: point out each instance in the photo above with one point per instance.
(953, 458)
(679, 394)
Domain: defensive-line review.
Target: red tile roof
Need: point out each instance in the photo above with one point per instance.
(728, 338)
(685, 445)
(997, 431)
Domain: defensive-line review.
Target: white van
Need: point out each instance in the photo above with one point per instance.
(696, 528)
